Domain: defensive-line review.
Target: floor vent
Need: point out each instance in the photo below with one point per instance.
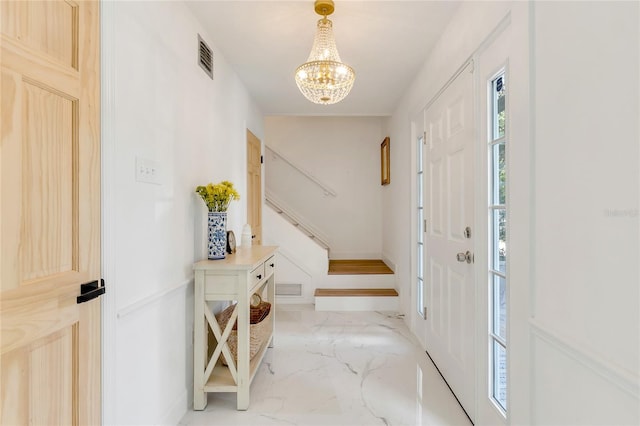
(205, 57)
(288, 289)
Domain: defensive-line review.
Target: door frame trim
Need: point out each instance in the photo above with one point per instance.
(445, 86)
(262, 179)
(108, 209)
(483, 381)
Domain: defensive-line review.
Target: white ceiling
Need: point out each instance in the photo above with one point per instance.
(386, 42)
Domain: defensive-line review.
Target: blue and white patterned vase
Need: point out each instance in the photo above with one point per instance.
(217, 235)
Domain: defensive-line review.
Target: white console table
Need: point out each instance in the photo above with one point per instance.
(236, 278)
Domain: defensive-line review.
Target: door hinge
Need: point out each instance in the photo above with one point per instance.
(424, 312)
(262, 159)
(424, 138)
(424, 225)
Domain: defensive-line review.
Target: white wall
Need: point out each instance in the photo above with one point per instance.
(574, 187)
(159, 105)
(300, 259)
(586, 288)
(344, 154)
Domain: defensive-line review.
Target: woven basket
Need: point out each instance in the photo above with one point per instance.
(259, 327)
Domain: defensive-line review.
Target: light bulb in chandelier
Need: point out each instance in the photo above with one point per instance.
(324, 79)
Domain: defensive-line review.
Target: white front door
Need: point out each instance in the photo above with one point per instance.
(449, 214)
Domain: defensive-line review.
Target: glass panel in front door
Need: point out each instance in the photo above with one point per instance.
(497, 268)
(420, 305)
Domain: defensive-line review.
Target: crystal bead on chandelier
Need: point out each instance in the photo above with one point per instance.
(324, 79)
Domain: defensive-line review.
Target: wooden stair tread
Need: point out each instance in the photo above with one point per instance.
(355, 292)
(358, 267)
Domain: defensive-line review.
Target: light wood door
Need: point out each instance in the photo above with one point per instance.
(449, 209)
(50, 212)
(254, 187)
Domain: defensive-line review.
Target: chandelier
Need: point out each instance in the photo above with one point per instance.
(324, 79)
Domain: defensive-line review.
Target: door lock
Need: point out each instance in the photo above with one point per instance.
(465, 257)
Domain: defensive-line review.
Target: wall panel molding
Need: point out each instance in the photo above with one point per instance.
(149, 300)
(626, 380)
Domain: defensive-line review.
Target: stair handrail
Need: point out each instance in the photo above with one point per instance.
(326, 188)
(288, 211)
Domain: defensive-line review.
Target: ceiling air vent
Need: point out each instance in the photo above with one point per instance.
(205, 57)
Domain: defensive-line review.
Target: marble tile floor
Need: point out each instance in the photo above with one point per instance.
(339, 369)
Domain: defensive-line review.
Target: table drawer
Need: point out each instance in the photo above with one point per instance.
(257, 275)
(270, 265)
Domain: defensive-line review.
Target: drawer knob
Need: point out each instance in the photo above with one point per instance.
(272, 265)
(259, 276)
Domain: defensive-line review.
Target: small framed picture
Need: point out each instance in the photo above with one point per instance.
(385, 162)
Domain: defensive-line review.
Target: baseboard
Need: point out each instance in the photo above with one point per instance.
(177, 411)
(392, 265)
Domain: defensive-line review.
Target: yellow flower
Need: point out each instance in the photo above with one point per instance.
(218, 197)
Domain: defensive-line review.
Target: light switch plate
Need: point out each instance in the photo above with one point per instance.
(147, 171)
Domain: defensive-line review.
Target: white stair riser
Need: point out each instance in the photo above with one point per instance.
(358, 281)
(357, 303)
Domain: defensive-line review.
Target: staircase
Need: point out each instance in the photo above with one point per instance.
(346, 284)
(363, 272)
(333, 284)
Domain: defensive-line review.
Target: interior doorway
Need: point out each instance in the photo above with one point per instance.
(254, 187)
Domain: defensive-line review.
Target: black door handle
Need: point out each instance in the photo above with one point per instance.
(91, 290)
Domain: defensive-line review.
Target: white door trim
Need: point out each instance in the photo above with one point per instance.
(487, 412)
(108, 167)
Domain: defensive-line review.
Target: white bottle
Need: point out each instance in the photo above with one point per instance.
(245, 240)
